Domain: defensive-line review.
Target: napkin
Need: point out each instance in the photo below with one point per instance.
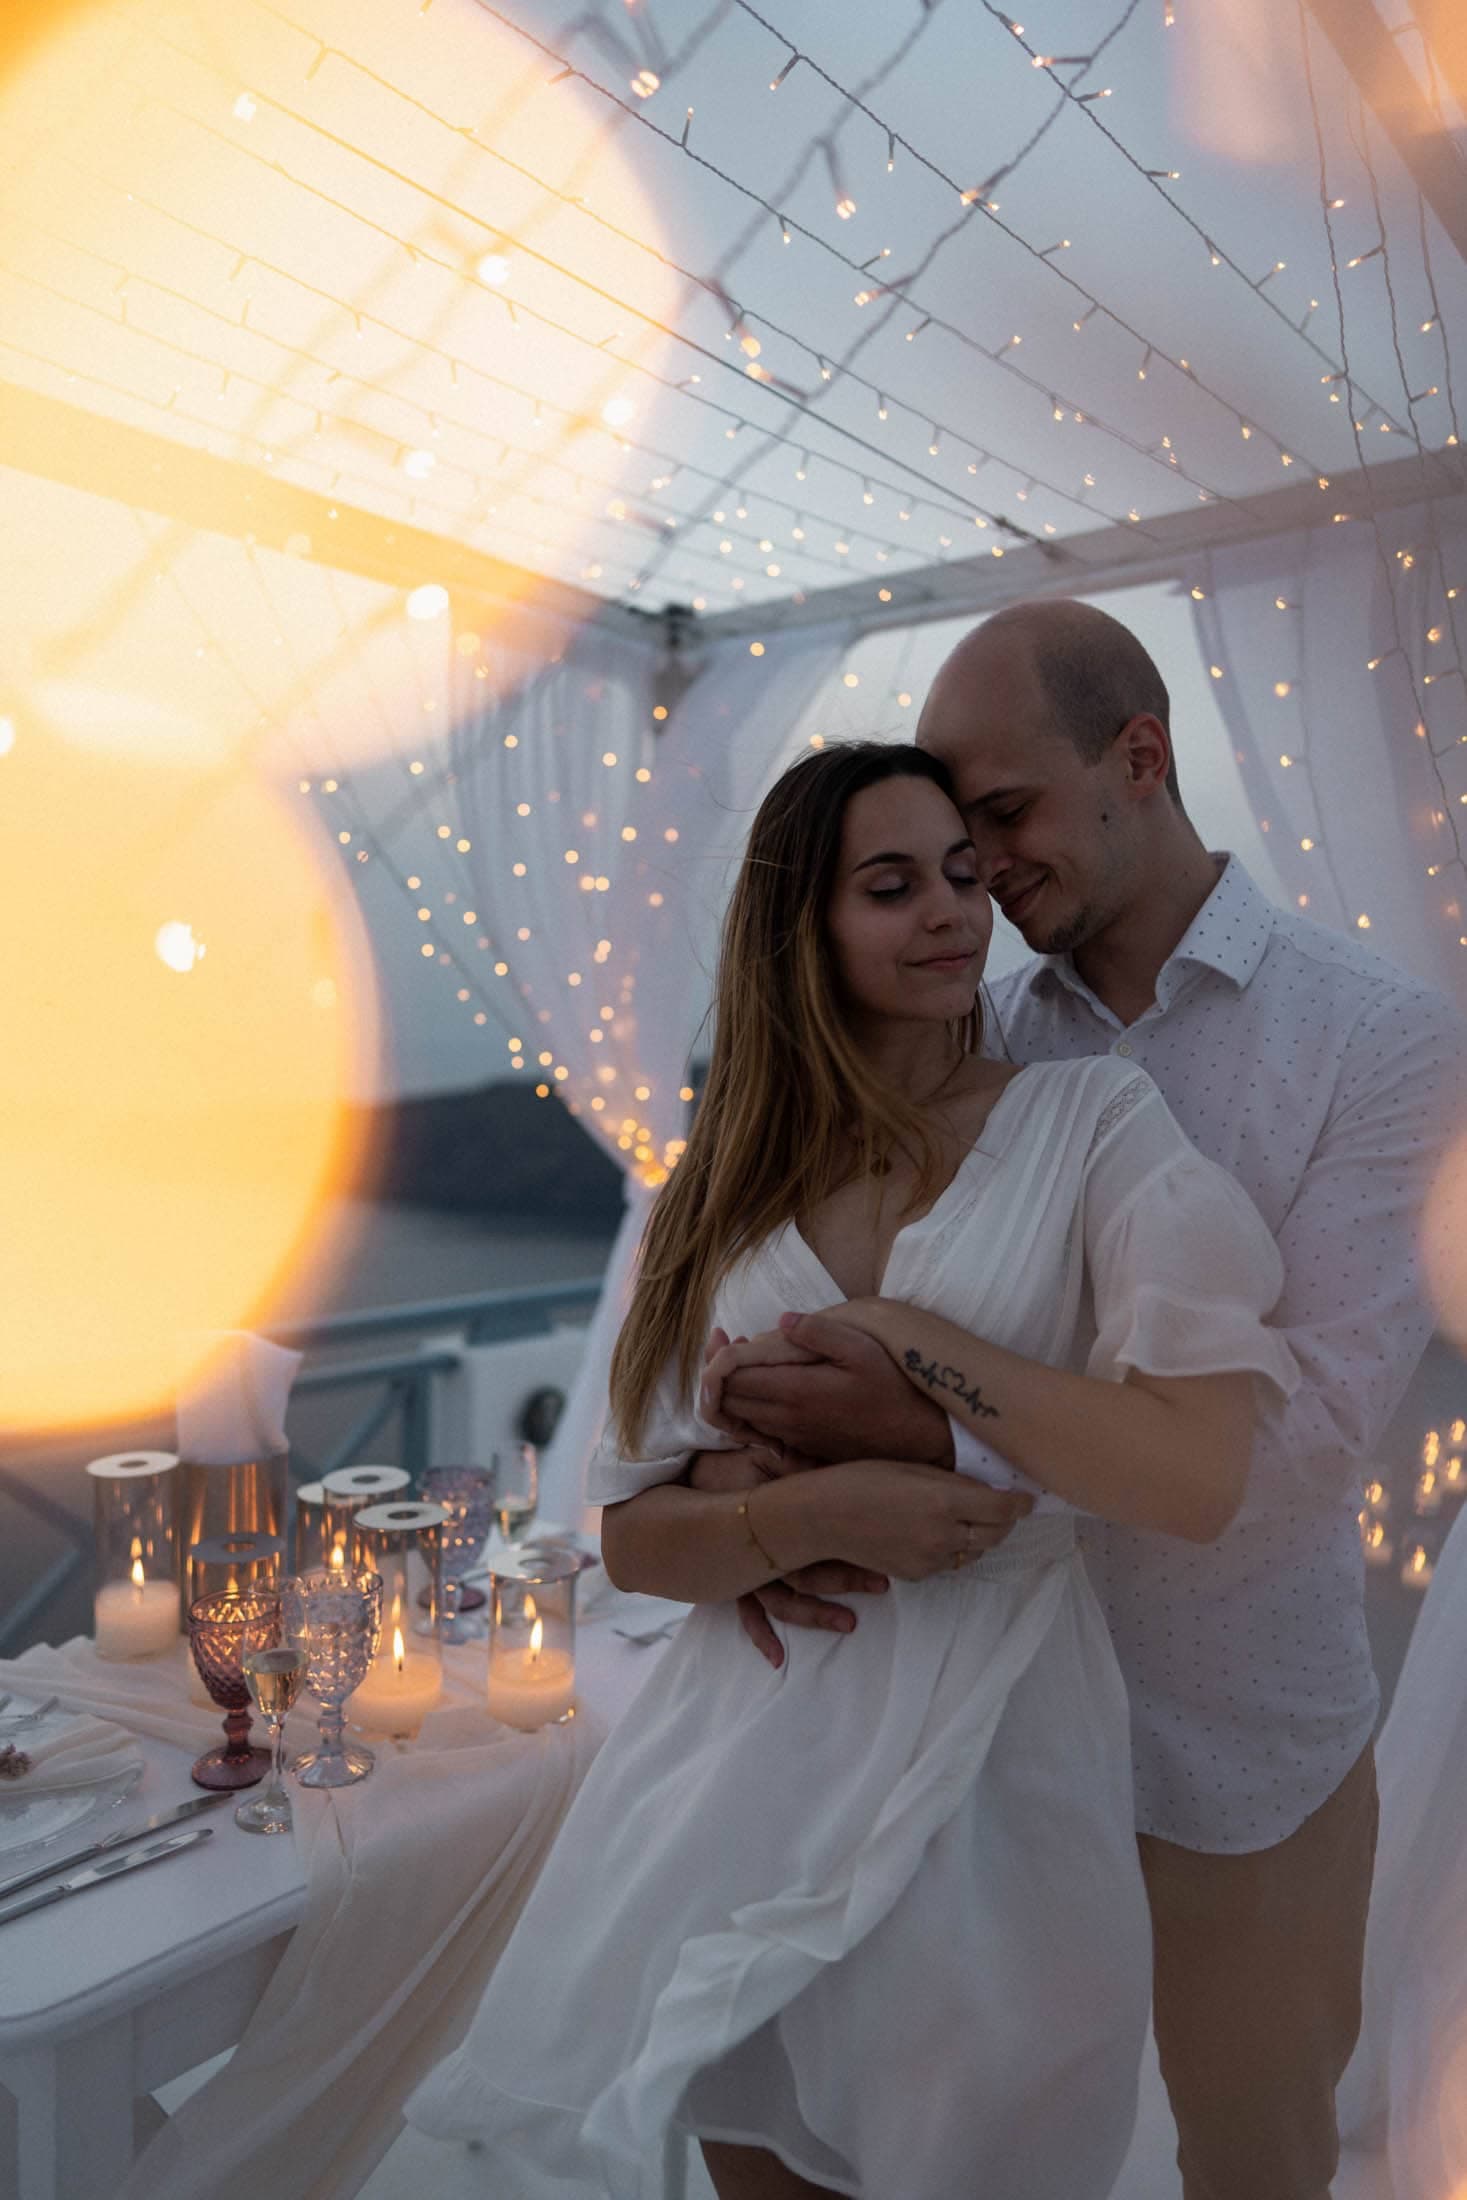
(234, 1408)
(82, 1753)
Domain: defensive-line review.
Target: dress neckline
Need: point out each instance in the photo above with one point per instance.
(947, 1197)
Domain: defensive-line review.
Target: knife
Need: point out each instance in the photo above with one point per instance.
(109, 1868)
(117, 1840)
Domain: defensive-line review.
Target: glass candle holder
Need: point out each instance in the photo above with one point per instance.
(349, 1490)
(532, 1640)
(467, 1495)
(401, 1542)
(312, 1541)
(1375, 1541)
(1417, 1564)
(247, 1559)
(135, 1534)
(220, 1628)
(335, 1614)
(247, 1498)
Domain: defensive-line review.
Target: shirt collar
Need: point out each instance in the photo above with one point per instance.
(1228, 934)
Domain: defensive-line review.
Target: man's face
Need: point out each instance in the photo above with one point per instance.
(1050, 829)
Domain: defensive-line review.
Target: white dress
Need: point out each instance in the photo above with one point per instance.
(881, 1910)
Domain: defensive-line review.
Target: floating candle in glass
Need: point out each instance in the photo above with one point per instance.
(134, 1510)
(1376, 1544)
(532, 1639)
(1417, 1569)
(349, 1490)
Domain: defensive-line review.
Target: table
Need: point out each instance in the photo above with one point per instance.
(108, 1996)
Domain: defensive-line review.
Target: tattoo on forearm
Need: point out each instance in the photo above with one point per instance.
(952, 1379)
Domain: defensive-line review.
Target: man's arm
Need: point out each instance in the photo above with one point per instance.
(850, 1403)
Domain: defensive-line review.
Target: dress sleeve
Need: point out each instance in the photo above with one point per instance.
(1182, 1267)
(673, 1433)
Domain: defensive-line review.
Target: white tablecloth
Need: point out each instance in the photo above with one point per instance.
(414, 1879)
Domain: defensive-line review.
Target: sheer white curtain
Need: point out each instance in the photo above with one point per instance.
(1356, 774)
(724, 743)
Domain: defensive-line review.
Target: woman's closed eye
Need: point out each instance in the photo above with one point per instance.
(899, 887)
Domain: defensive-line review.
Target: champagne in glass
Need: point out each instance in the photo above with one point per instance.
(274, 1677)
(519, 1493)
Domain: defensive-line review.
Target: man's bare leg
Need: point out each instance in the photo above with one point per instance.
(752, 2173)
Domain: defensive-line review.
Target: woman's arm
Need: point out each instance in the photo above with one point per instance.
(1150, 1452)
(891, 1516)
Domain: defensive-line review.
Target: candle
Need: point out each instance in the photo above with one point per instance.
(1416, 1573)
(529, 1688)
(401, 1686)
(136, 1618)
(1378, 1547)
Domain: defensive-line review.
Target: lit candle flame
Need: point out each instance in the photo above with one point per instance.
(137, 1570)
(1418, 1559)
(537, 1636)
(399, 1652)
(1458, 1432)
(338, 1552)
(1431, 1448)
(1376, 1535)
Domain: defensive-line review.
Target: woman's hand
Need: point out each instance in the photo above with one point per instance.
(910, 1521)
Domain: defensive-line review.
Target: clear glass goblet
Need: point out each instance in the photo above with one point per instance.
(334, 1614)
(467, 1496)
(518, 1494)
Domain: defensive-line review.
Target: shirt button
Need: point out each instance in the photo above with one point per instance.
(1124, 1047)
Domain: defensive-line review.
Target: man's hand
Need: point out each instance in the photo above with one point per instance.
(803, 1600)
(850, 1401)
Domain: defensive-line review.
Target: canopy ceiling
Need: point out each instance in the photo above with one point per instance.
(566, 305)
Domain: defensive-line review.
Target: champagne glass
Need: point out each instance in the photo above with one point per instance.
(334, 1615)
(274, 1672)
(518, 1493)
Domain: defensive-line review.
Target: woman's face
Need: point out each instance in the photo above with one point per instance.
(909, 923)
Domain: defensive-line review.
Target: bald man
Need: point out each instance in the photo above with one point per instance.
(1322, 1079)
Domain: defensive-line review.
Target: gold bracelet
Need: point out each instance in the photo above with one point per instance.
(747, 1519)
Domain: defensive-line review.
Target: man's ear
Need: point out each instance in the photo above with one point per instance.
(1146, 747)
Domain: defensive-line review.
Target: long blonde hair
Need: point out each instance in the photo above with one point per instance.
(791, 1108)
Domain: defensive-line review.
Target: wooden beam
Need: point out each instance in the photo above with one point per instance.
(1105, 558)
(85, 450)
(1373, 58)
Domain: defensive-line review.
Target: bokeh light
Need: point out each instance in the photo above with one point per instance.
(187, 1003)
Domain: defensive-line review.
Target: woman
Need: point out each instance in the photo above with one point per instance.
(873, 1924)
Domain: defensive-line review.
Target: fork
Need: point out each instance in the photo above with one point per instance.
(25, 1718)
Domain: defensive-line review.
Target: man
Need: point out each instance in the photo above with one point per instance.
(1321, 1078)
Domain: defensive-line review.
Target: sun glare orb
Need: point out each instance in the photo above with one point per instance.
(239, 354)
(617, 411)
(175, 946)
(428, 602)
(176, 1124)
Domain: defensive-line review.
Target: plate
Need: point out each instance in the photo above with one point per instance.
(30, 1822)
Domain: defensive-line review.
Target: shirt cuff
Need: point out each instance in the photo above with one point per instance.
(971, 1456)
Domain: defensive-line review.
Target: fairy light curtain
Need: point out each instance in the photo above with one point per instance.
(1338, 656)
(599, 854)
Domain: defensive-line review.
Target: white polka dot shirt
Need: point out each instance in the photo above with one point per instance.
(1323, 1080)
